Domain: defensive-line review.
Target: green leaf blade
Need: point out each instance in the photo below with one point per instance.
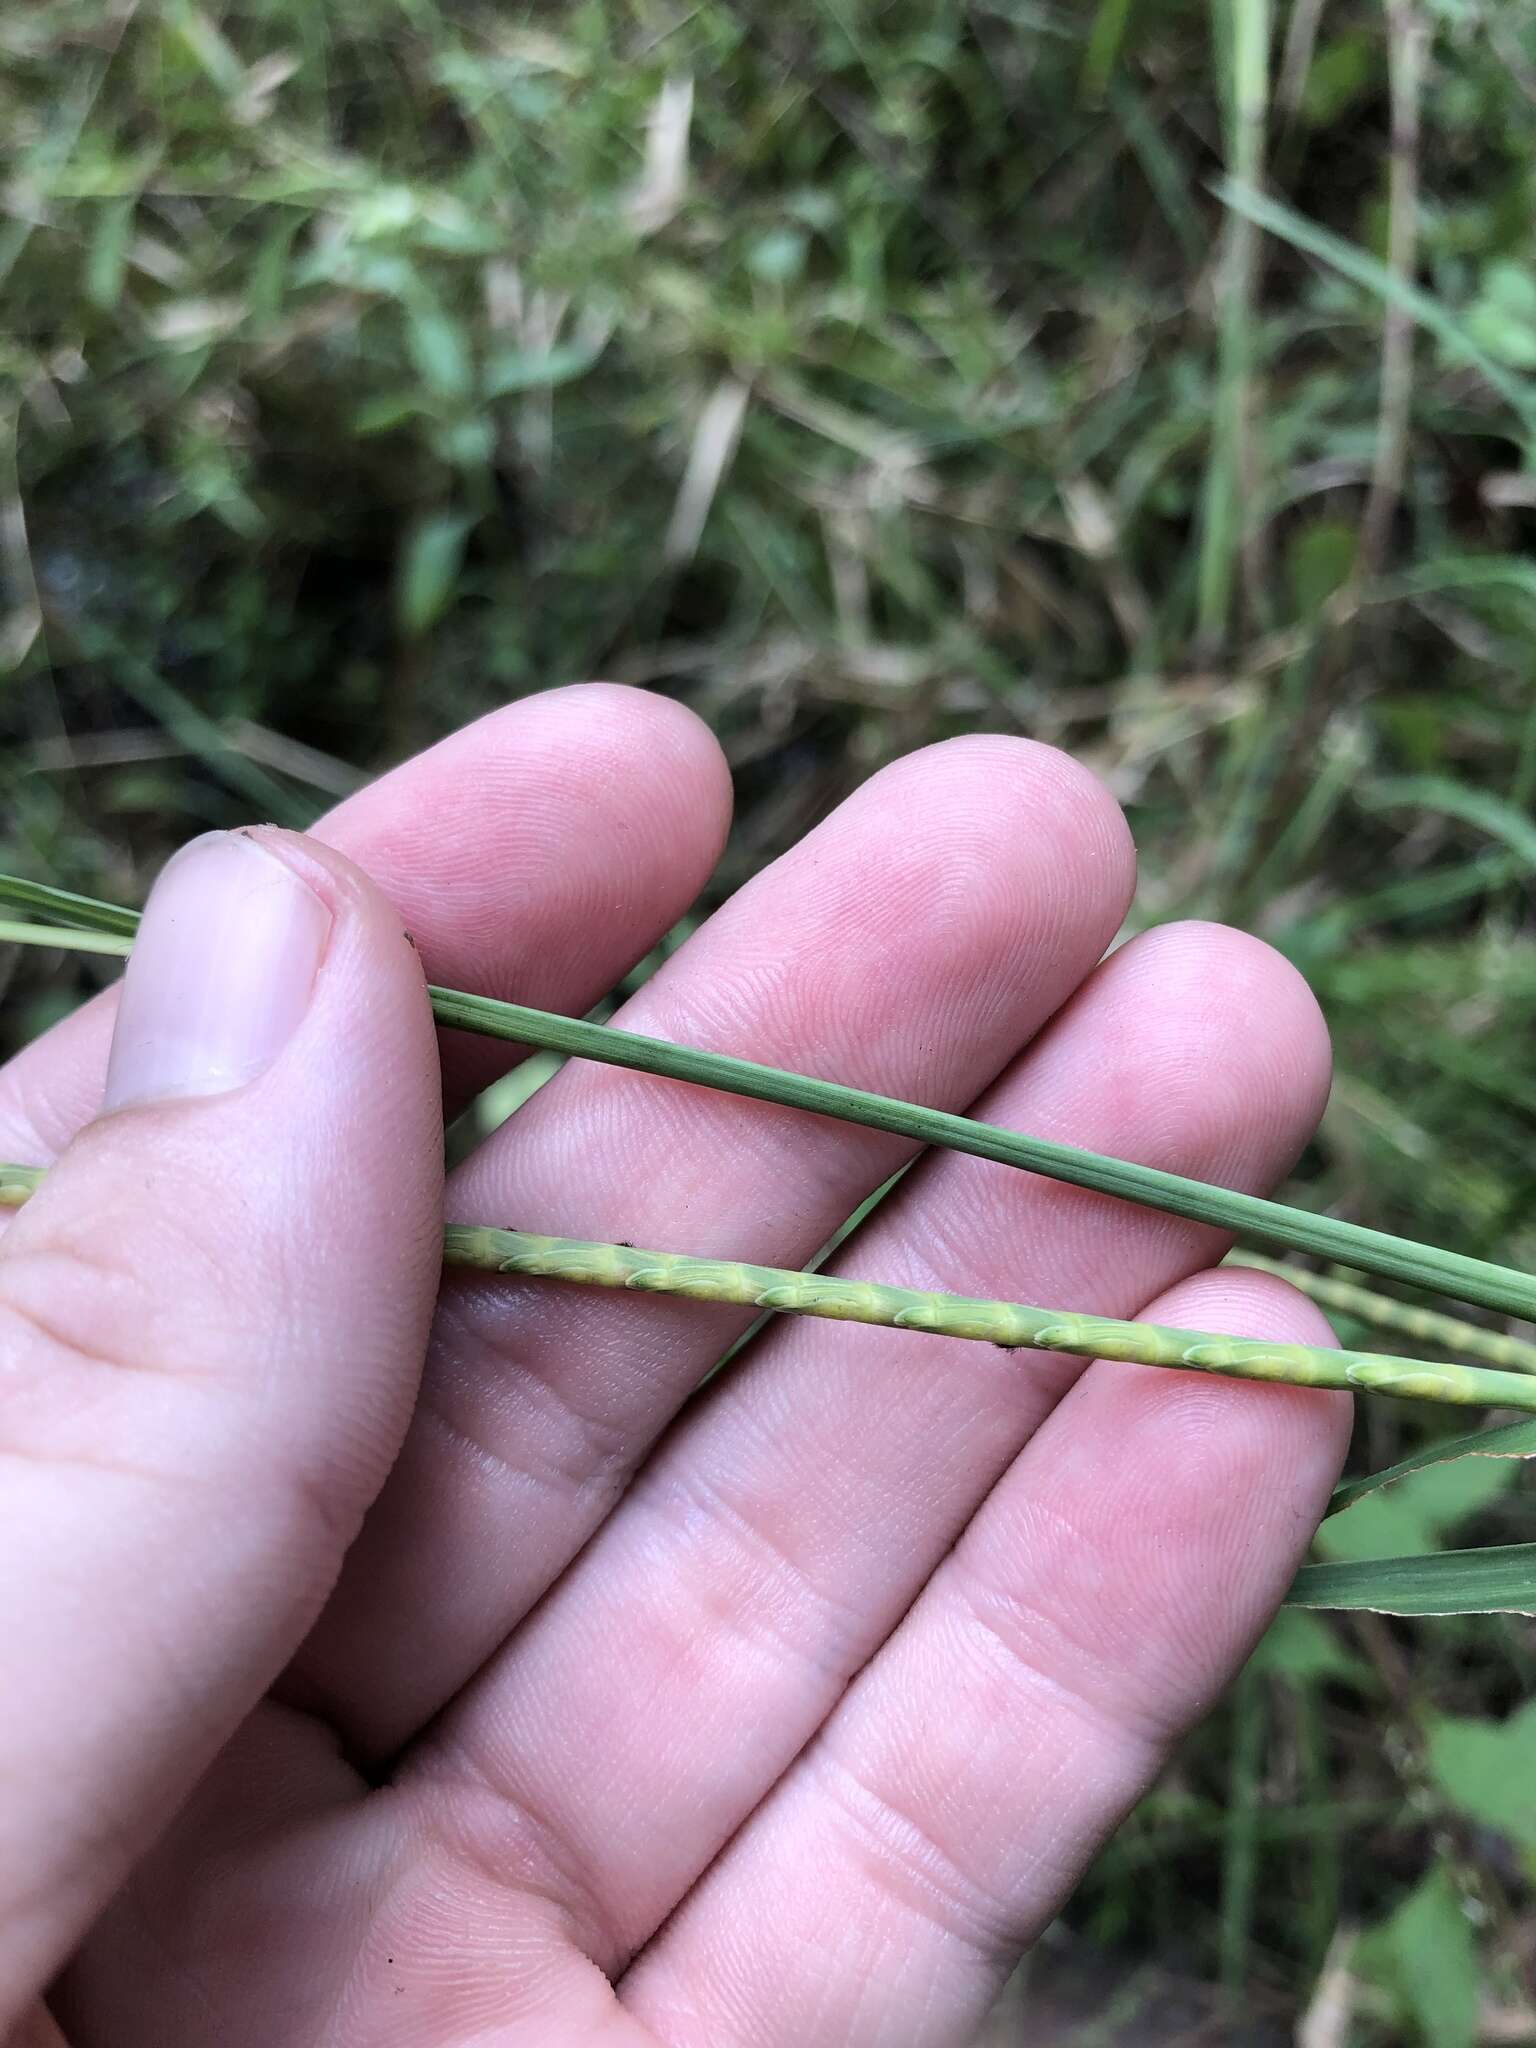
(1514, 1440)
(1498, 1580)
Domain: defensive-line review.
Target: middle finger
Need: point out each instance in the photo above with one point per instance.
(910, 944)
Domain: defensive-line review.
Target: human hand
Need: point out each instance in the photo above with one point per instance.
(785, 1722)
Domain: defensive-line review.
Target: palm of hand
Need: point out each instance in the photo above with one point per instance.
(791, 1717)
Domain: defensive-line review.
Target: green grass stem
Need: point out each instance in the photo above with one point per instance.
(1453, 1274)
(1242, 39)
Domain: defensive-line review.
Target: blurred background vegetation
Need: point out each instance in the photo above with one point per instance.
(1155, 377)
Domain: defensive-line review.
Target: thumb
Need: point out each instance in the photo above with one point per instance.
(212, 1319)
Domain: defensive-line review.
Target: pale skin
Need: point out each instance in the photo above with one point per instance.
(387, 1665)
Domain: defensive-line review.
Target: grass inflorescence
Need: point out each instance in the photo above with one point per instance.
(1009, 1325)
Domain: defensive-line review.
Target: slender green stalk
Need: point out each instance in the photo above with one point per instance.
(1012, 1325)
(1242, 38)
(15, 933)
(62, 906)
(1453, 1274)
(1240, 1844)
(1385, 1312)
(1407, 41)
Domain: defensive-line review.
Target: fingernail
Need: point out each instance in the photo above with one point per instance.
(220, 975)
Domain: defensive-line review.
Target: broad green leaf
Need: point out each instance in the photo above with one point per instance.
(107, 252)
(1515, 1440)
(1500, 1579)
(384, 210)
(778, 257)
(1430, 1953)
(1299, 1647)
(1480, 808)
(1343, 71)
(438, 348)
(1319, 560)
(1421, 1508)
(1487, 1770)
(389, 410)
(1385, 1526)
(355, 267)
(429, 568)
(467, 441)
(535, 370)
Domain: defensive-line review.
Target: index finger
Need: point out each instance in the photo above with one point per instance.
(537, 854)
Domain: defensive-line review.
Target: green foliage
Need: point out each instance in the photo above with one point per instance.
(1418, 1512)
(1495, 1579)
(1487, 1771)
(1514, 1440)
(1303, 1650)
(1426, 1954)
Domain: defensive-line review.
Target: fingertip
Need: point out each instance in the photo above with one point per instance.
(349, 893)
(979, 844)
(1260, 991)
(646, 725)
(539, 852)
(639, 773)
(1215, 1043)
(1029, 791)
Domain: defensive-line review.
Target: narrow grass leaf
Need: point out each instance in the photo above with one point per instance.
(203, 737)
(518, 369)
(1365, 270)
(64, 907)
(1458, 572)
(1453, 1274)
(1110, 21)
(1480, 808)
(1497, 1580)
(438, 348)
(106, 258)
(430, 561)
(1512, 1440)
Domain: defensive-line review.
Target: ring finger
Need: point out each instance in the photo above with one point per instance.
(780, 1534)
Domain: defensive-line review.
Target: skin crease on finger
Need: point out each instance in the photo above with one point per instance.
(404, 1938)
(1104, 1593)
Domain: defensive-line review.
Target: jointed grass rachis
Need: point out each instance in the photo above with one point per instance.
(1012, 1325)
